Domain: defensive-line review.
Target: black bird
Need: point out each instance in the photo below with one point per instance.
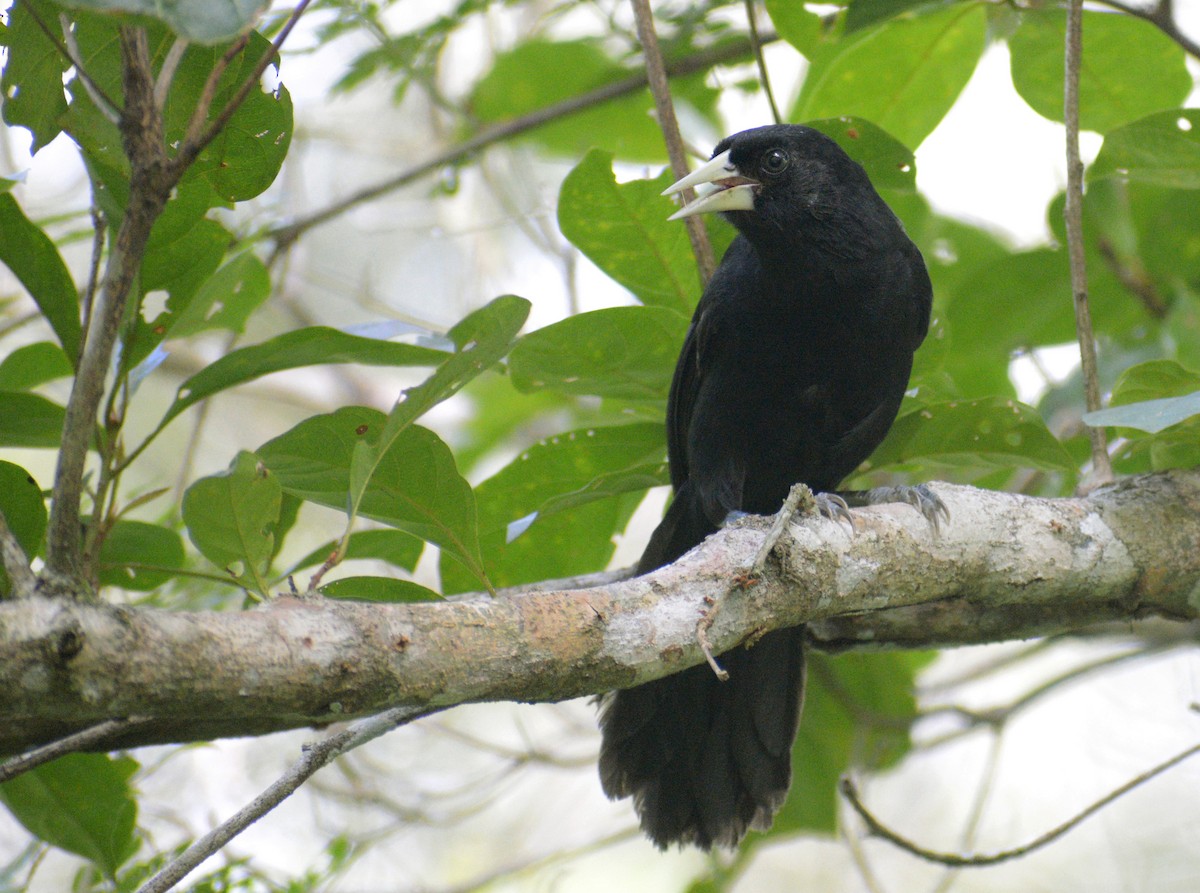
(792, 371)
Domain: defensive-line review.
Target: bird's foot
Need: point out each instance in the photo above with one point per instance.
(833, 507)
(919, 496)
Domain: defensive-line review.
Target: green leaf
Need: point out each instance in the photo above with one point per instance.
(624, 352)
(312, 346)
(539, 73)
(247, 154)
(623, 229)
(1161, 149)
(396, 547)
(32, 84)
(561, 545)
(572, 469)
(862, 14)
(179, 266)
(795, 24)
(24, 510)
(81, 803)
(30, 420)
(887, 161)
(140, 556)
(415, 486)
(32, 365)
(1149, 415)
(210, 22)
(553, 510)
(1151, 397)
(227, 298)
(1114, 85)
(974, 434)
(857, 712)
(480, 340)
(231, 519)
(378, 589)
(903, 74)
(34, 260)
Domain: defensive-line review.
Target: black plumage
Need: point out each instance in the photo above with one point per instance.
(792, 371)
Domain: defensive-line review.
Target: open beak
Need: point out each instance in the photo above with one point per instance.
(733, 193)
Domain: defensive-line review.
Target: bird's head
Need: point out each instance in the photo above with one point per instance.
(776, 178)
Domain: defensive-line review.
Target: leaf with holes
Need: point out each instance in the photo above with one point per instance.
(623, 229)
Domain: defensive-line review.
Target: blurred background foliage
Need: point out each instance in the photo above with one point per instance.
(528, 429)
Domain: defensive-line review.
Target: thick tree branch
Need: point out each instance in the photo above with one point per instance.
(1009, 566)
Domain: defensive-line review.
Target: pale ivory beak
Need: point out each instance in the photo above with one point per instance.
(733, 193)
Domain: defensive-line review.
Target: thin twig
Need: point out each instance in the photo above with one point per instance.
(660, 89)
(979, 861)
(783, 517)
(195, 125)
(763, 77)
(1102, 471)
(21, 580)
(166, 74)
(196, 143)
(702, 628)
(84, 740)
(312, 758)
(107, 107)
(732, 51)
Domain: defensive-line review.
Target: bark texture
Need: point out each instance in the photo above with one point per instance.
(1006, 566)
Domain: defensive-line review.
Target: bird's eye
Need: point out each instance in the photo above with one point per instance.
(775, 162)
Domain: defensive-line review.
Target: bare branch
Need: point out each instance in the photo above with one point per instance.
(660, 88)
(88, 739)
(730, 51)
(874, 826)
(312, 758)
(763, 77)
(1101, 465)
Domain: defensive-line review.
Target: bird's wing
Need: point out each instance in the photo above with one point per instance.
(682, 400)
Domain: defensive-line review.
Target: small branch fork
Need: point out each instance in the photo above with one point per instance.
(153, 174)
(952, 860)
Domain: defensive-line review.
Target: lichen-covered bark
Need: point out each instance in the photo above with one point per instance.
(1005, 567)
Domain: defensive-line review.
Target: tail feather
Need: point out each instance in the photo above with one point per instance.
(706, 760)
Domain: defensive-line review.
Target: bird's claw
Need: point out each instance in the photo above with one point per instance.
(833, 507)
(920, 497)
